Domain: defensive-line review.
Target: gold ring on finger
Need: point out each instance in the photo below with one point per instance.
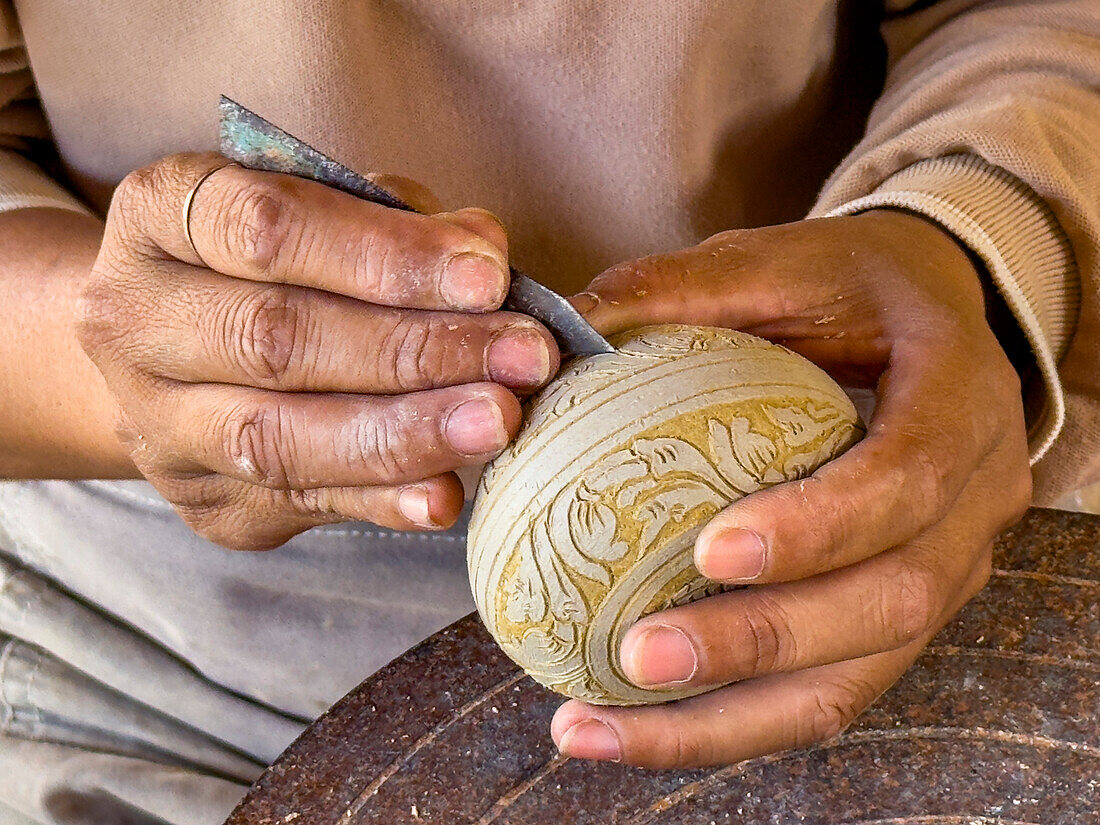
(190, 199)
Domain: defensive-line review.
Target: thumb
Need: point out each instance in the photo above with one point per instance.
(703, 285)
(424, 200)
(412, 192)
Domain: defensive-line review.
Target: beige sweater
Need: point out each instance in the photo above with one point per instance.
(606, 131)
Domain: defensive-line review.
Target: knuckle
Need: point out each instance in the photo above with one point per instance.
(138, 184)
(151, 182)
(100, 315)
(379, 442)
(998, 377)
(146, 450)
(909, 604)
(371, 261)
(929, 474)
(410, 354)
(260, 225)
(1020, 486)
(133, 200)
(127, 432)
(639, 278)
(259, 445)
(984, 570)
(1008, 379)
(996, 396)
(1014, 498)
(150, 193)
(313, 503)
(833, 706)
(174, 173)
(221, 513)
(772, 644)
(690, 750)
(268, 334)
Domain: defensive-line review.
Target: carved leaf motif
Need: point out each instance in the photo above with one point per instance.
(541, 586)
(672, 455)
(753, 451)
(566, 602)
(743, 455)
(578, 522)
(666, 343)
(663, 479)
(592, 526)
(773, 476)
(556, 651)
(526, 602)
(673, 502)
(800, 465)
(583, 686)
(619, 470)
(801, 426)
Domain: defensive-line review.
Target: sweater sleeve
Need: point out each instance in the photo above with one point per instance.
(989, 124)
(24, 136)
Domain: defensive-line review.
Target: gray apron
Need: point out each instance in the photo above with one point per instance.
(148, 676)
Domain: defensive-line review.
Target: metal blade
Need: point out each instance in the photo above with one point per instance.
(575, 335)
(256, 143)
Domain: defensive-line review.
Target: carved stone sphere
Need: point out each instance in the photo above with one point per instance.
(587, 521)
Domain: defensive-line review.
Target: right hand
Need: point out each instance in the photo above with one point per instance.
(325, 359)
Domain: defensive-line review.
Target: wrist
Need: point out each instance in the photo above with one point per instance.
(998, 316)
(920, 243)
(1025, 253)
(57, 418)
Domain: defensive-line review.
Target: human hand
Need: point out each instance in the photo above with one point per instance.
(854, 569)
(325, 359)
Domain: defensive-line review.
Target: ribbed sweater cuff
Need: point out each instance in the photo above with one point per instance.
(1017, 237)
(24, 185)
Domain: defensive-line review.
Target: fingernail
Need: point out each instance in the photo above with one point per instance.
(412, 503)
(733, 555)
(519, 357)
(472, 281)
(591, 739)
(476, 427)
(662, 655)
(584, 302)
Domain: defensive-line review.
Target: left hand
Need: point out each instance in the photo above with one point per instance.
(855, 568)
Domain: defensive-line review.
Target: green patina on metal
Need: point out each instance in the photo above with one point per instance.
(256, 143)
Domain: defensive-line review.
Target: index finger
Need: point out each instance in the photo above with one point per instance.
(922, 447)
(264, 226)
(738, 722)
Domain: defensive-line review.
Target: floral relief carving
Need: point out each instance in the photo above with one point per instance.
(631, 501)
(580, 557)
(582, 378)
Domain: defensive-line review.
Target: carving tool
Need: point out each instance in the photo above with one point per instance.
(256, 143)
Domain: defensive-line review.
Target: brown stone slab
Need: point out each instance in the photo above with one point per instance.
(998, 723)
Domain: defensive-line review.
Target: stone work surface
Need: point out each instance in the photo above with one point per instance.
(998, 723)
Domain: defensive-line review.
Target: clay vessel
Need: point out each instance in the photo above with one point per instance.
(587, 521)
